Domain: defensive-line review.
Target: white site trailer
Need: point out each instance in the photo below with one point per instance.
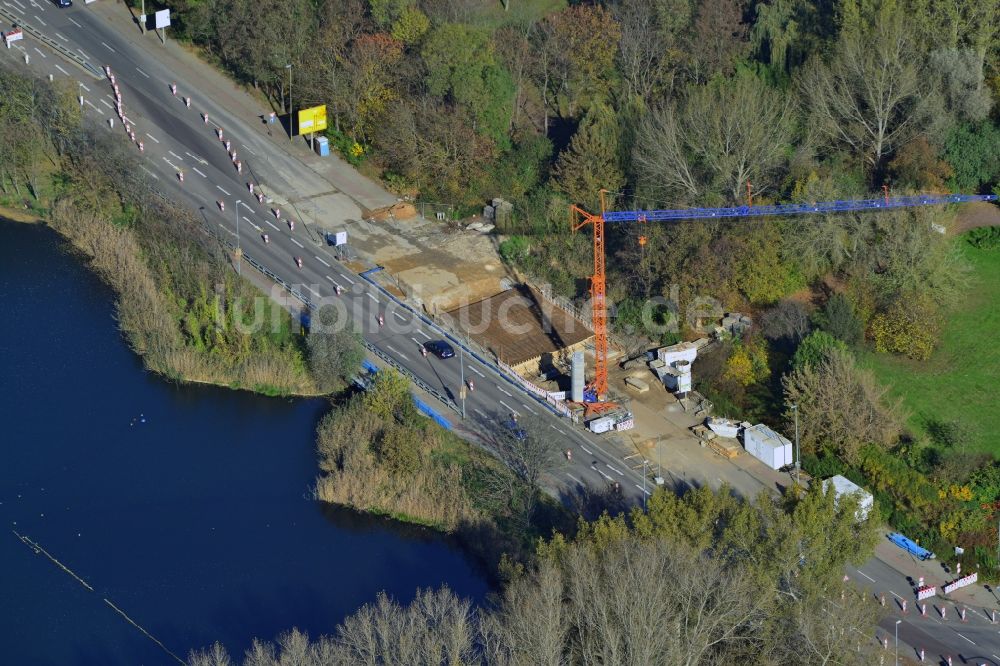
(767, 446)
(843, 487)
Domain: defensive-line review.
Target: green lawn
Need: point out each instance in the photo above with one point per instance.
(962, 380)
(492, 14)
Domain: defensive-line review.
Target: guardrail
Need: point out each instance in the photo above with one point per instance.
(52, 44)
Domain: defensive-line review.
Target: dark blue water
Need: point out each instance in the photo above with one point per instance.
(195, 522)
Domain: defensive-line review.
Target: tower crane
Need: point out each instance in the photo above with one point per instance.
(580, 218)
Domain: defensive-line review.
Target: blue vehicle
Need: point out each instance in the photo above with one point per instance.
(911, 546)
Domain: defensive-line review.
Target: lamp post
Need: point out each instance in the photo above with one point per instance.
(644, 464)
(461, 390)
(289, 68)
(798, 464)
(239, 250)
(897, 642)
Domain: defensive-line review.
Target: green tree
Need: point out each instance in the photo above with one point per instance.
(411, 26)
(814, 349)
(973, 150)
(909, 327)
(335, 351)
(840, 319)
(591, 163)
(387, 12)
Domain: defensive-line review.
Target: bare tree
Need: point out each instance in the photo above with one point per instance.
(788, 320)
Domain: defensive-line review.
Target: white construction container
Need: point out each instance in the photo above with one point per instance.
(683, 351)
(843, 487)
(601, 425)
(767, 446)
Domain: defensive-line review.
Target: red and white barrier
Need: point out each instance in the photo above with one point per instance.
(222, 205)
(960, 583)
(926, 592)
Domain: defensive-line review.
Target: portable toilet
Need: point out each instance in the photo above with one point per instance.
(323, 146)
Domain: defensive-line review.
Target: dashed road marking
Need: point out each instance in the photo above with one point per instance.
(529, 409)
(152, 137)
(16, 3)
(81, 84)
(615, 470)
(219, 187)
(39, 52)
(39, 19)
(174, 166)
(105, 103)
(316, 293)
(641, 488)
(297, 243)
(74, 22)
(419, 332)
(176, 155)
(320, 260)
(567, 434)
(249, 149)
(398, 353)
(895, 595)
(371, 297)
(61, 37)
(332, 280)
(419, 344)
(399, 317)
(601, 472)
(62, 70)
(966, 638)
(98, 109)
(505, 391)
(574, 478)
(251, 223)
(480, 412)
(589, 452)
(866, 575)
(20, 11)
(509, 408)
(80, 51)
(142, 72)
(272, 225)
(109, 48)
(244, 204)
(473, 368)
(149, 172)
(198, 171)
(231, 233)
(348, 279)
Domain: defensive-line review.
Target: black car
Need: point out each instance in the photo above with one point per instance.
(64, 3)
(439, 348)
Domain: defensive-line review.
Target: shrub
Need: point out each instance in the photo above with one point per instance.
(514, 249)
(908, 327)
(815, 348)
(984, 238)
(973, 149)
(841, 320)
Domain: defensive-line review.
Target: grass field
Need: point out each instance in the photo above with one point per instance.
(962, 380)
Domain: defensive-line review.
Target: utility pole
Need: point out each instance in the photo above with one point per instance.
(897, 642)
(644, 464)
(289, 68)
(798, 455)
(461, 391)
(239, 250)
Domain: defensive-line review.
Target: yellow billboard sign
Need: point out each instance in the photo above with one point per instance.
(312, 119)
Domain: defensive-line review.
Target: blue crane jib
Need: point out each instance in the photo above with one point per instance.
(793, 209)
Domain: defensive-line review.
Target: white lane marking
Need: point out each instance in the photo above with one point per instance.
(574, 478)
(74, 22)
(896, 595)
(348, 279)
(333, 281)
(251, 223)
(272, 226)
(20, 11)
(244, 204)
(176, 155)
(966, 638)
(105, 103)
(16, 3)
(369, 294)
(61, 37)
(98, 109)
(320, 260)
(199, 172)
(297, 243)
(149, 172)
(248, 148)
(601, 472)
(589, 452)
(109, 48)
(423, 334)
(39, 19)
(639, 487)
(312, 290)
(480, 412)
(504, 391)
(62, 70)
(395, 314)
(994, 656)
(419, 344)
(398, 353)
(529, 409)
(231, 233)
(222, 190)
(473, 368)
(80, 51)
(866, 575)
(38, 51)
(564, 432)
(142, 72)
(152, 137)
(509, 408)
(616, 471)
(171, 164)
(81, 84)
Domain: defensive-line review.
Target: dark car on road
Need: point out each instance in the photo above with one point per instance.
(439, 348)
(64, 3)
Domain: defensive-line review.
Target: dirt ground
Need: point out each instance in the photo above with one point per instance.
(976, 214)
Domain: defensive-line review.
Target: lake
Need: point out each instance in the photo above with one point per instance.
(186, 507)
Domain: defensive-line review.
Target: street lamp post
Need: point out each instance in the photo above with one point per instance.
(239, 250)
(289, 68)
(897, 642)
(798, 455)
(644, 464)
(461, 390)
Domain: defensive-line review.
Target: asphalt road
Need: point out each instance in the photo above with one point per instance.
(177, 139)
